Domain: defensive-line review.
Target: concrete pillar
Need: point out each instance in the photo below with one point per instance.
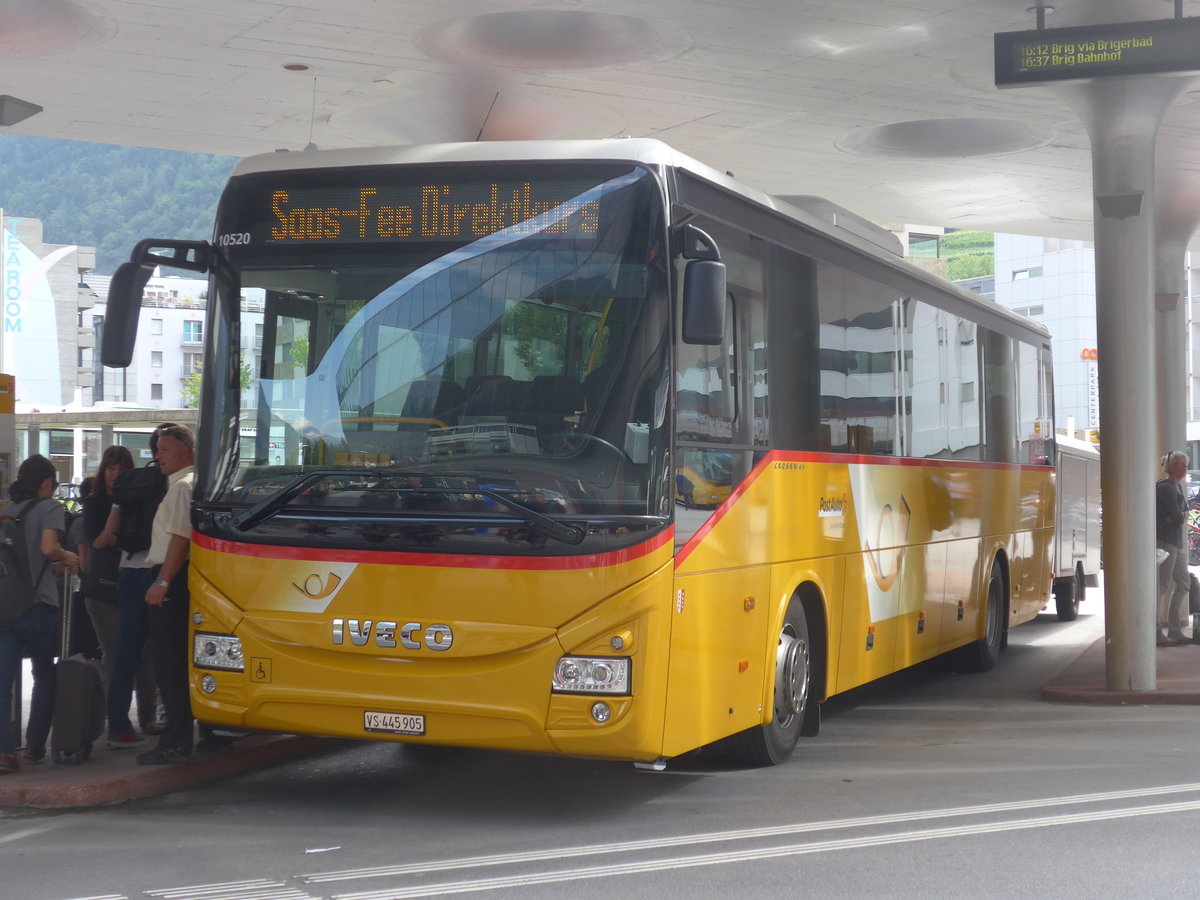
(1170, 338)
(1122, 116)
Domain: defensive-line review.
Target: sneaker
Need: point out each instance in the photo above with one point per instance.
(9, 764)
(1161, 640)
(34, 754)
(1179, 638)
(125, 739)
(163, 756)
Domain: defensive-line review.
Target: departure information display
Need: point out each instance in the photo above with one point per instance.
(1097, 51)
(360, 210)
(427, 212)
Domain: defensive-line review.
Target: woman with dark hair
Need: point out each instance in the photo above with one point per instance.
(33, 634)
(131, 658)
(113, 462)
(101, 566)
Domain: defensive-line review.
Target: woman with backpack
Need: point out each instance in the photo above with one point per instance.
(101, 570)
(136, 493)
(34, 632)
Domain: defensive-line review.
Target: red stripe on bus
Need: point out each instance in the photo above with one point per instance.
(442, 560)
(774, 456)
(719, 513)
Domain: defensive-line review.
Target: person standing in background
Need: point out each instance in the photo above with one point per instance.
(167, 596)
(103, 564)
(131, 663)
(1173, 584)
(34, 633)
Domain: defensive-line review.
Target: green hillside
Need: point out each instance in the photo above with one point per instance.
(109, 197)
(970, 254)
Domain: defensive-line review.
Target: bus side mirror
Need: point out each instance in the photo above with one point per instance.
(121, 316)
(704, 302)
(129, 284)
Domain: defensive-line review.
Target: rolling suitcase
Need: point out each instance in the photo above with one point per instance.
(78, 693)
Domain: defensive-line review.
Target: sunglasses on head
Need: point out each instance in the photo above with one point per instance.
(178, 432)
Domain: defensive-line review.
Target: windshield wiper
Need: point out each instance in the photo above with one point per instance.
(267, 507)
(531, 518)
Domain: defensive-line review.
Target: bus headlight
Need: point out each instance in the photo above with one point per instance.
(217, 651)
(591, 675)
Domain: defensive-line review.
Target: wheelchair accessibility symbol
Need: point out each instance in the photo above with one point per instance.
(260, 669)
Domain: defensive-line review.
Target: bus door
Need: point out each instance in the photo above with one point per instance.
(289, 350)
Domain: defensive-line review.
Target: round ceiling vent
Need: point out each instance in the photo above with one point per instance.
(944, 139)
(552, 39)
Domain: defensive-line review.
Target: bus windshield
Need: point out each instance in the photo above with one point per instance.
(501, 329)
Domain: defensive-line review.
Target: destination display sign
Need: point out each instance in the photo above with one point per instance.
(1097, 51)
(376, 211)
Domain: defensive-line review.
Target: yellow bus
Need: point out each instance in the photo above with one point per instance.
(702, 478)
(446, 512)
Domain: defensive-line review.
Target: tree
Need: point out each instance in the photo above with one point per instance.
(298, 352)
(190, 392)
(540, 332)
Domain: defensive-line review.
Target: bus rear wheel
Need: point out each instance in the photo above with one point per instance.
(773, 743)
(1068, 593)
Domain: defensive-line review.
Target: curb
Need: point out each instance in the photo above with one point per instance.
(49, 791)
(1083, 681)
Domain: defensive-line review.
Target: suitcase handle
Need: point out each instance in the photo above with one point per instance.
(67, 612)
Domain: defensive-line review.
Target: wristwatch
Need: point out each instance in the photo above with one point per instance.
(161, 582)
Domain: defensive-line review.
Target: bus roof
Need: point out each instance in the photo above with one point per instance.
(816, 214)
(641, 150)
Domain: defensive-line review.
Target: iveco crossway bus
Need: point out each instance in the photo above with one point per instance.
(585, 448)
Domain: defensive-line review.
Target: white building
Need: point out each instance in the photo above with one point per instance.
(1053, 281)
(169, 348)
(68, 405)
(45, 338)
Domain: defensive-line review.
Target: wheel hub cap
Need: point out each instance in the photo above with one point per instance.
(791, 677)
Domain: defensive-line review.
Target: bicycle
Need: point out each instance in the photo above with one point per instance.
(1193, 536)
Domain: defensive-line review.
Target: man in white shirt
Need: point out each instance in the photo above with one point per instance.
(167, 597)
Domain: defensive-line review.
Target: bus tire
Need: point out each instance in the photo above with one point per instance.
(1068, 594)
(982, 655)
(773, 743)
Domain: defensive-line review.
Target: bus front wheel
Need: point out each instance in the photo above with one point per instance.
(773, 743)
(982, 655)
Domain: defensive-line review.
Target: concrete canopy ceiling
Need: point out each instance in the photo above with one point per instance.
(887, 108)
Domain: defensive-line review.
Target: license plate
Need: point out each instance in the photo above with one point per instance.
(393, 723)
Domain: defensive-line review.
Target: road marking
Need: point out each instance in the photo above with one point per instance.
(255, 889)
(712, 859)
(740, 834)
(21, 835)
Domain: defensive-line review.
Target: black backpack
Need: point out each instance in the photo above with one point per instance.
(17, 586)
(138, 492)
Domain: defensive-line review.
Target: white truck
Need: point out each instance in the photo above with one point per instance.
(1077, 533)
